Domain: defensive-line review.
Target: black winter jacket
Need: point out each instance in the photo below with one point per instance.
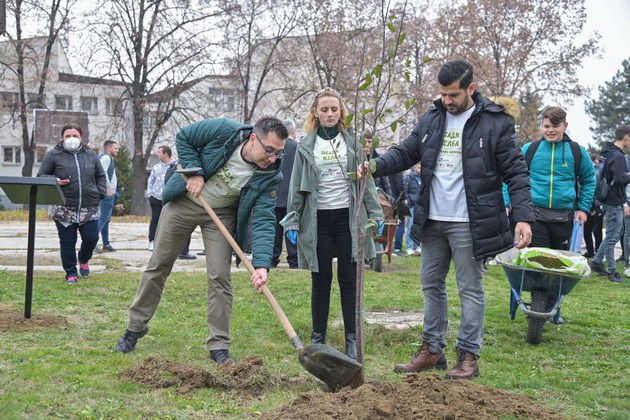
(615, 167)
(88, 184)
(490, 156)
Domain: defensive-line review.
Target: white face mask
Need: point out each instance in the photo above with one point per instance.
(72, 144)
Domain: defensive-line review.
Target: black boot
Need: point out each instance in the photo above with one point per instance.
(318, 338)
(351, 346)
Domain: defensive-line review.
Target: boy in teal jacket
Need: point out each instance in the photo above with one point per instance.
(239, 173)
(557, 200)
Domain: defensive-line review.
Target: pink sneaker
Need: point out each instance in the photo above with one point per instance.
(84, 270)
(72, 279)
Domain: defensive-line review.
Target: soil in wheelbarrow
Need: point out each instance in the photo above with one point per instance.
(549, 261)
(421, 396)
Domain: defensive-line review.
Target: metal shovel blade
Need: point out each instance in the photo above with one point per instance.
(329, 365)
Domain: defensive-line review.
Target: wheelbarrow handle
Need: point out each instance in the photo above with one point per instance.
(288, 328)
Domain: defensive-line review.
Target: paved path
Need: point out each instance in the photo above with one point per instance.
(129, 240)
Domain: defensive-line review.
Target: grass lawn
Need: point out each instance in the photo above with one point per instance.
(581, 369)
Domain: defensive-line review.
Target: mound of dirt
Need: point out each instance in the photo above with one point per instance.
(422, 396)
(12, 320)
(248, 376)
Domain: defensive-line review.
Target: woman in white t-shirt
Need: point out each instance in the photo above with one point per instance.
(322, 208)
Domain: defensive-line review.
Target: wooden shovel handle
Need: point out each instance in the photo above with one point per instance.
(288, 328)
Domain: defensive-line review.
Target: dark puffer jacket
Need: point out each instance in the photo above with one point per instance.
(87, 184)
(490, 156)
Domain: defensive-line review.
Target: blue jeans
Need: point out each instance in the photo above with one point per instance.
(106, 206)
(442, 241)
(68, 244)
(613, 218)
(398, 237)
(410, 242)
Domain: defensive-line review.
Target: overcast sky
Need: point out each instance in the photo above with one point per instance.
(611, 18)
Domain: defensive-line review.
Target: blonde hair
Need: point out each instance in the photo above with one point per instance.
(311, 122)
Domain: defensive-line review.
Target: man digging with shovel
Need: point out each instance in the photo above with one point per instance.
(238, 176)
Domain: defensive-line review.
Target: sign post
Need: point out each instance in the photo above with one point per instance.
(31, 191)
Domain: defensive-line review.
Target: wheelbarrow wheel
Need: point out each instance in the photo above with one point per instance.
(535, 325)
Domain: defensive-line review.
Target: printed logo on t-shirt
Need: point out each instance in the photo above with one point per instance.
(450, 158)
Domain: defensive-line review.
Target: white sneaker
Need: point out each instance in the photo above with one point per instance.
(150, 247)
(627, 272)
(417, 252)
(410, 251)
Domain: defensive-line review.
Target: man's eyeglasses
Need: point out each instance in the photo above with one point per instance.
(269, 152)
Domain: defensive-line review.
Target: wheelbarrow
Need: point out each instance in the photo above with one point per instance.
(547, 289)
(383, 241)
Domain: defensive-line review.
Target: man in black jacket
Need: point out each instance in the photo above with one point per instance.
(467, 147)
(290, 146)
(613, 204)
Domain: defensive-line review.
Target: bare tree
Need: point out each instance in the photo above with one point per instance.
(253, 33)
(30, 65)
(156, 47)
(518, 46)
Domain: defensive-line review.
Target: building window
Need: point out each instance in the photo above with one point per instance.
(222, 99)
(63, 103)
(113, 107)
(9, 101)
(89, 104)
(12, 154)
(40, 152)
(33, 102)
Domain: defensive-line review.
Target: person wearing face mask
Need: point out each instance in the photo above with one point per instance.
(322, 207)
(83, 183)
(238, 174)
(563, 185)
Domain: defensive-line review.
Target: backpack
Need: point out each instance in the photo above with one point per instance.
(602, 186)
(170, 171)
(577, 160)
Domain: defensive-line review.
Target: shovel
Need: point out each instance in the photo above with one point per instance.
(329, 365)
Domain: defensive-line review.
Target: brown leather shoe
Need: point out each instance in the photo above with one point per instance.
(424, 360)
(466, 367)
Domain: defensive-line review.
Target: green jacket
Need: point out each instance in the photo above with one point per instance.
(302, 207)
(209, 144)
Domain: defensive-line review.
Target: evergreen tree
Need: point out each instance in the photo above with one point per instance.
(612, 107)
(124, 174)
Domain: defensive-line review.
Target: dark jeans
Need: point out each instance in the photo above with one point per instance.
(333, 238)
(593, 228)
(156, 210)
(554, 236)
(398, 237)
(68, 244)
(277, 244)
(106, 206)
(551, 235)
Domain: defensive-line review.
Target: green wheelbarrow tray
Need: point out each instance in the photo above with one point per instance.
(526, 279)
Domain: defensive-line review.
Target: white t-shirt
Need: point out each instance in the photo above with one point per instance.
(331, 156)
(448, 197)
(223, 189)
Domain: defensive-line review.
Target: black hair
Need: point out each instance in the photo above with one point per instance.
(266, 124)
(109, 143)
(453, 71)
(622, 131)
(167, 150)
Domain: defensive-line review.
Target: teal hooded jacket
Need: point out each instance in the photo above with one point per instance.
(552, 177)
(209, 144)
